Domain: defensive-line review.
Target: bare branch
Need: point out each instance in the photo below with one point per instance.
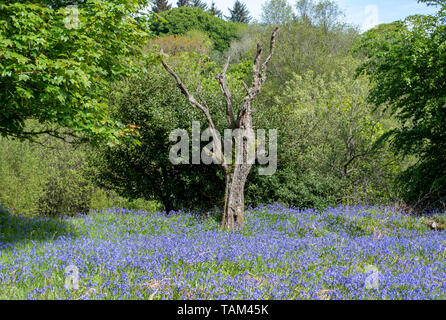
(257, 62)
(245, 86)
(271, 52)
(198, 93)
(183, 88)
(221, 78)
(217, 154)
(259, 76)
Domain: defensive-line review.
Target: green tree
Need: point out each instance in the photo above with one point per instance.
(325, 14)
(305, 9)
(184, 19)
(333, 133)
(303, 47)
(406, 63)
(47, 177)
(182, 3)
(239, 13)
(56, 64)
(198, 4)
(215, 11)
(160, 6)
(277, 12)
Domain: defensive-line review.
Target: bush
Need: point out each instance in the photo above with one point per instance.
(184, 19)
(51, 178)
(22, 176)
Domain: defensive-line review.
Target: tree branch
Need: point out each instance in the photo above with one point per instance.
(184, 90)
(271, 52)
(217, 154)
(221, 78)
(198, 92)
(259, 76)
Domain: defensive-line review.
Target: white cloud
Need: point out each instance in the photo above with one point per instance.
(371, 13)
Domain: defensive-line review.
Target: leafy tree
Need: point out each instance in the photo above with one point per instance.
(276, 12)
(248, 35)
(184, 19)
(305, 9)
(434, 2)
(44, 178)
(160, 6)
(56, 68)
(239, 13)
(333, 135)
(406, 63)
(303, 47)
(325, 14)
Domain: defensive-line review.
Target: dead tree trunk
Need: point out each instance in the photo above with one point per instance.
(237, 173)
(234, 207)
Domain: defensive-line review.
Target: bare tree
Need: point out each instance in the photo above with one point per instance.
(235, 173)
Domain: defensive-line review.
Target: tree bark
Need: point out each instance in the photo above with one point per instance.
(234, 207)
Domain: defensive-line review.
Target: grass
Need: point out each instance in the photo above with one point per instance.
(281, 253)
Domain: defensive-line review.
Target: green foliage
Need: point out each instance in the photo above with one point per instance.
(192, 41)
(161, 5)
(324, 14)
(67, 189)
(22, 179)
(406, 62)
(328, 150)
(43, 179)
(303, 47)
(292, 186)
(215, 11)
(182, 3)
(248, 35)
(184, 19)
(434, 2)
(239, 13)
(198, 4)
(53, 178)
(57, 63)
(277, 12)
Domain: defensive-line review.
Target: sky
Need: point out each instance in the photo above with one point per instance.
(363, 13)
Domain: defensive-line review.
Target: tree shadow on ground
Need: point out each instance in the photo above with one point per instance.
(15, 230)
